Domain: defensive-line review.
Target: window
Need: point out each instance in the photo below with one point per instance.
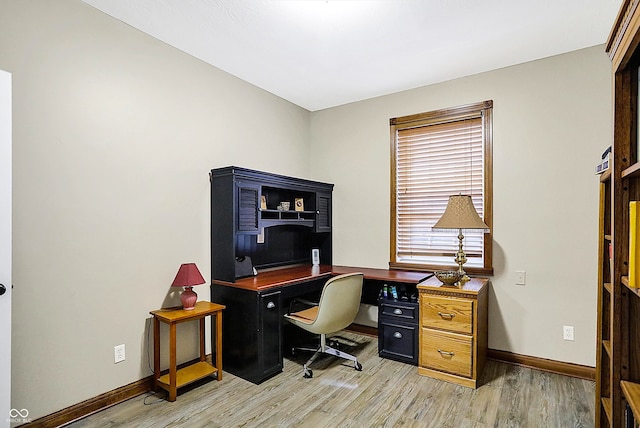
(436, 155)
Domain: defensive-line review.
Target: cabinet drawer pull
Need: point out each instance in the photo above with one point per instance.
(449, 354)
(397, 335)
(448, 316)
(397, 311)
(271, 305)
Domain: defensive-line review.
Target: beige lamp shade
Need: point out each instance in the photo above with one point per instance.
(460, 214)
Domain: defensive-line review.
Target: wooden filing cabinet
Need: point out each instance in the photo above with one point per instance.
(453, 331)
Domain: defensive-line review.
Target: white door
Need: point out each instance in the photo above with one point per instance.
(6, 412)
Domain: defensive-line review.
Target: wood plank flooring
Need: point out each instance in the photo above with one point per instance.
(385, 393)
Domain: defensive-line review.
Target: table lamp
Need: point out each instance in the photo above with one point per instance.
(460, 214)
(188, 275)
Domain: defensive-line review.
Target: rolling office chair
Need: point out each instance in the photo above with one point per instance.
(338, 307)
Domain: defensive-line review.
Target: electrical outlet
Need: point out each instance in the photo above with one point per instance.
(521, 277)
(118, 354)
(567, 332)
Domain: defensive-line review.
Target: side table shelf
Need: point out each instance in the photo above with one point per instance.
(186, 375)
(193, 372)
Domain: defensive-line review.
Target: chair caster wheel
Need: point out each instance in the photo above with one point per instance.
(308, 374)
(358, 366)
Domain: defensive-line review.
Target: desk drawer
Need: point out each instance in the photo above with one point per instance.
(399, 311)
(448, 352)
(398, 341)
(447, 313)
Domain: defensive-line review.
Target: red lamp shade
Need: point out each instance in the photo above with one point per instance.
(188, 275)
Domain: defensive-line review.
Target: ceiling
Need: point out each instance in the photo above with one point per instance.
(324, 53)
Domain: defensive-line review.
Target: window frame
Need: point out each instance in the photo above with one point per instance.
(484, 110)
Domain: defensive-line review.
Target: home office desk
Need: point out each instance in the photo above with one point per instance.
(253, 331)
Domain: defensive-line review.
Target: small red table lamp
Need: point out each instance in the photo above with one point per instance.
(188, 275)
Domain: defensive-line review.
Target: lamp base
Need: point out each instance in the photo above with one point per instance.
(188, 299)
(460, 260)
(465, 278)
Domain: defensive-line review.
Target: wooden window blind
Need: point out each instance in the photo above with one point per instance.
(436, 155)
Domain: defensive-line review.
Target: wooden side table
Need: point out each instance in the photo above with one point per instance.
(193, 372)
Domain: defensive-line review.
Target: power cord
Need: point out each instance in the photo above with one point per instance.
(161, 399)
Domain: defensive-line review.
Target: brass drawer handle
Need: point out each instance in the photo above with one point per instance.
(449, 316)
(397, 335)
(449, 354)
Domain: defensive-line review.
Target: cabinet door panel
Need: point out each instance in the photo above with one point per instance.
(323, 212)
(248, 199)
(270, 332)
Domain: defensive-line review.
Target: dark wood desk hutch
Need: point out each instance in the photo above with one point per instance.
(269, 236)
(618, 341)
(242, 226)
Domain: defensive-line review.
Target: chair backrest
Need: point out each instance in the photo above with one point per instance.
(339, 304)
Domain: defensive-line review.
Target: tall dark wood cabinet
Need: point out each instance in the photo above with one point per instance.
(243, 226)
(618, 335)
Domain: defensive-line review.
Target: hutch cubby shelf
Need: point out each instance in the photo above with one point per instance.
(618, 332)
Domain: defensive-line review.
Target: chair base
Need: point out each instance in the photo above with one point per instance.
(325, 349)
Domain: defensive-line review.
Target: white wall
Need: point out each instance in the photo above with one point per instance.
(114, 137)
(552, 121)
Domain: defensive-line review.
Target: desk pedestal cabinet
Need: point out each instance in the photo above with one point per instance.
(398, 330)
(253, 329)
(199, 370)
(453, 331)
(252, 332)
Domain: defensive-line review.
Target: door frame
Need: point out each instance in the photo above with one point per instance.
(7, 414)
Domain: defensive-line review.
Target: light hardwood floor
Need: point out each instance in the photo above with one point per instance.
(384, 394)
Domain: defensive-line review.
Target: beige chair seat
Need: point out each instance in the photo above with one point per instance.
(306, 316)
